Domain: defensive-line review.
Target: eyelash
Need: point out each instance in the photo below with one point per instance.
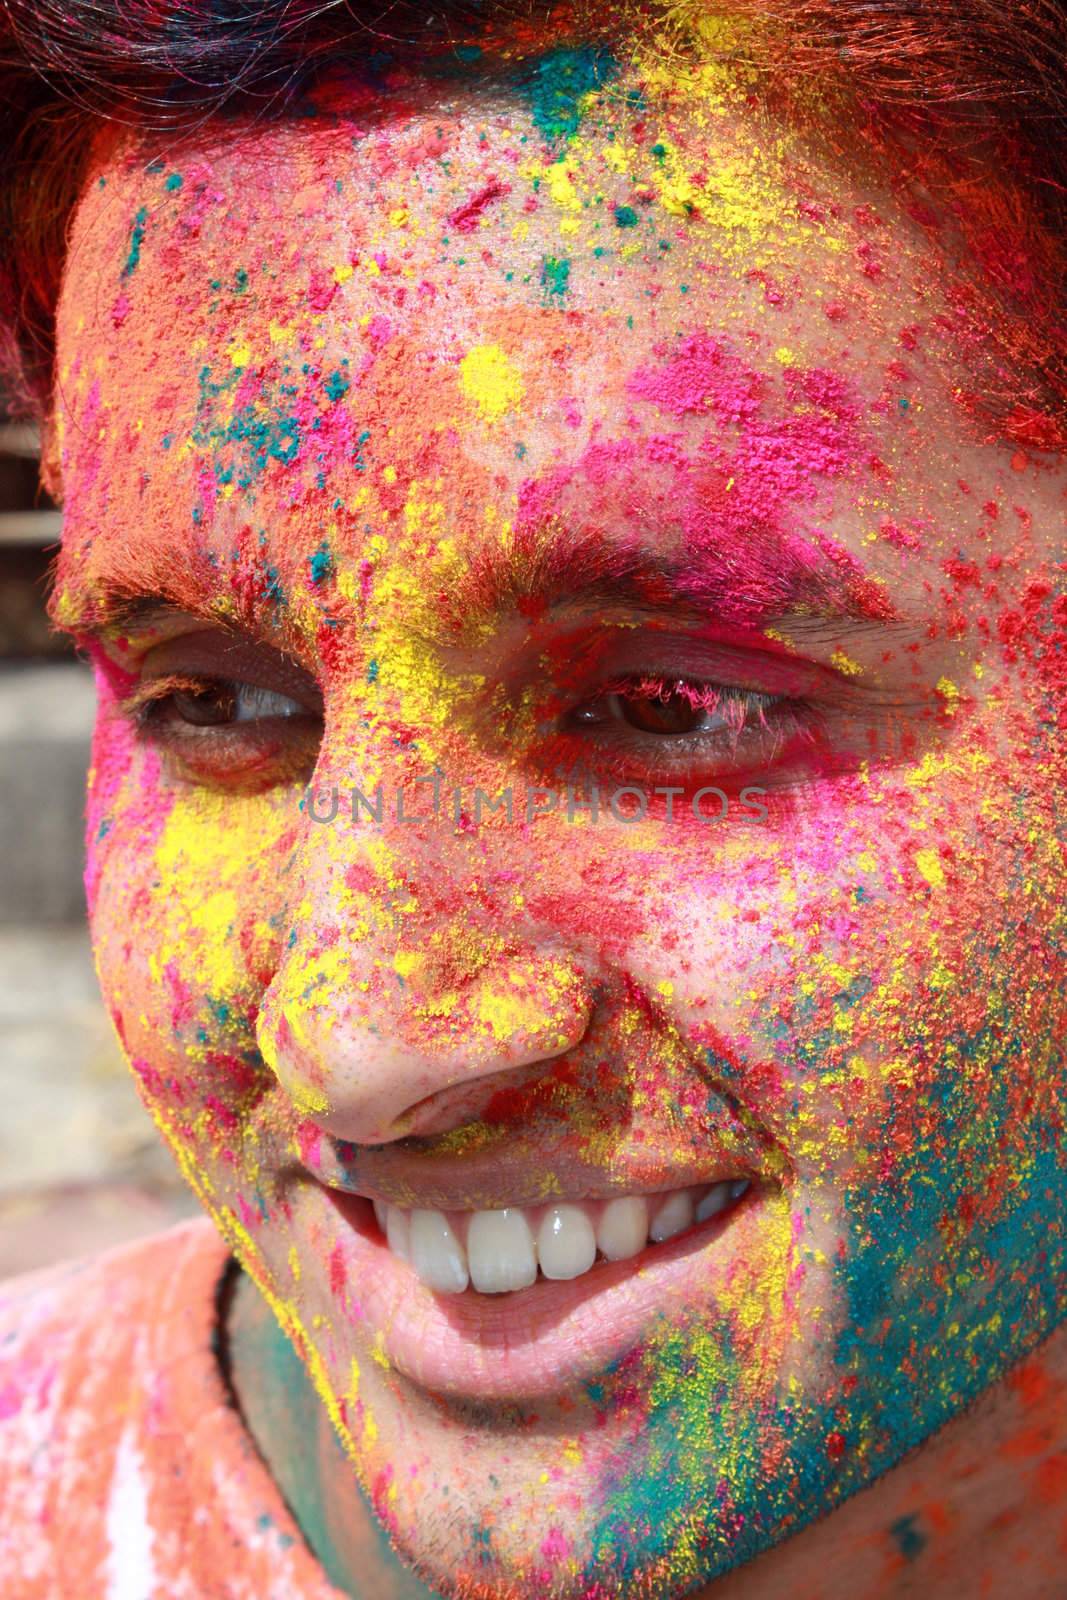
(145, 705)
(699, 696)
(780, 720)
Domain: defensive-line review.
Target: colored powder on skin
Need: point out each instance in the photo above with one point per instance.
(790, 443)
(625, 217)
(558, 84)
(465, 218)
(140, 222)
(321, 563)
(556, 275)
(491, 380)
(910, 1541)
(337, 385)
(559, 182)
(701, 378)
(980, 1066)
(260, 439)
(692, 1378)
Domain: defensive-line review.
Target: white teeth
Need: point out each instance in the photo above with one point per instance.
(398, 1232)
(674, 1216)
(566, 1243)
(713, 1202)
(623, 1229)
(500, 1251)
(436, 1253)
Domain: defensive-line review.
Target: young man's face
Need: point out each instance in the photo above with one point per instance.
(564, 435)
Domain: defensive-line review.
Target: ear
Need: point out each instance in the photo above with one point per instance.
(51, 456)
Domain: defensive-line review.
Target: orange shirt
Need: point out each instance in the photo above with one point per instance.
(126, 1472)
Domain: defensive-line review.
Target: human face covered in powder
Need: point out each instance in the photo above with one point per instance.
(568, 428)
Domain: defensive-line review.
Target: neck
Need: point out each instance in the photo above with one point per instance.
(986, 1497)
(292, 1431)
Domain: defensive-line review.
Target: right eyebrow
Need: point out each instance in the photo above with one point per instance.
(113, 614)
(105, 614)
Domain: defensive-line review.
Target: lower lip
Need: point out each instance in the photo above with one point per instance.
(531, 1343)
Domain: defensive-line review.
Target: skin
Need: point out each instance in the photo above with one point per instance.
(395, 394)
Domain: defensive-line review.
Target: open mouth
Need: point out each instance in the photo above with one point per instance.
(503, 1250)
(510, 1248)
(494, 1324)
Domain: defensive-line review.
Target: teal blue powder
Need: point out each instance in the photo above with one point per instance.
(137, 233)
(554, 90)
(337, 385)
(1007, 1275)
(555, 275)
(321, 563)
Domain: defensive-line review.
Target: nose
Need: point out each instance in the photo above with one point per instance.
(380, 1040)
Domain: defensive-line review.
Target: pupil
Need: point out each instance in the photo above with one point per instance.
(675, 714)
(207, 707)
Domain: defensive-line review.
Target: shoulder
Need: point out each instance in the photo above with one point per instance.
(74, 1337)
(130, 1269)
(125, 1468)
(80, 1344)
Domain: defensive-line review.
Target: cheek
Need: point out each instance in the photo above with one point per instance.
(188, 897)
(126, 807)
(863, 979)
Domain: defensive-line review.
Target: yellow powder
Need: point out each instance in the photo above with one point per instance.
(930, 866)
(492, 381)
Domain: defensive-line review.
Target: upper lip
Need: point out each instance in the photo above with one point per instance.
(514, 1175)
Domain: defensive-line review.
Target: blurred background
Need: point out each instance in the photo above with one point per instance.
(82, 1167)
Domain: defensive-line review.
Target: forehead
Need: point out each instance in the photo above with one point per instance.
(581, 185)
(413, 306)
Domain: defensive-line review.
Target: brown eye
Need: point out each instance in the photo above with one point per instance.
(663, 714)
(678, 711)
(244, 730)
(213, 703)
(211, 706)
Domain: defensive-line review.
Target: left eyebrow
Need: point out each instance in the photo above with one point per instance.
(113, 604)
(750, 584)
(105, 612)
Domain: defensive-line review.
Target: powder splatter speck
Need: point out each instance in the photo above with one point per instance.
(137, 233)
(320, 563)
(556, 275)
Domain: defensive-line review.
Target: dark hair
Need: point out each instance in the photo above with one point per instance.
(931, 65)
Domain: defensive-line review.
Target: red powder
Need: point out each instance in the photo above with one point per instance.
(900, 538)
(465, 218)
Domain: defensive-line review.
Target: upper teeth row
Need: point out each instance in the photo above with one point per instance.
(501, 1250)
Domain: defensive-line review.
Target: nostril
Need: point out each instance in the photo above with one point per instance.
(487, 1101)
